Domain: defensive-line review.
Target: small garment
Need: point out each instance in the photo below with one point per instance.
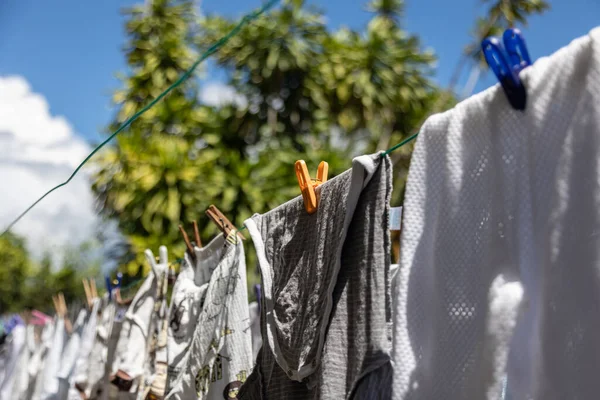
(254, 314)
(50, 382)
(88, 337)
(157, 360)
(37, 364)
(22, 380)
(131, 355)
(186, 303)
(16, 344)
(325, 309)
(499, 280)
(220, 355)
(70, 356)
(99, 371)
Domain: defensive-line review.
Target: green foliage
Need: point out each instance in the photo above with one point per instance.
(16, 266)
(308, 94)
(25, 283)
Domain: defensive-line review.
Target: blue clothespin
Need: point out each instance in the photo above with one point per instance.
(514, 43)
(507, 61)
(110, 287)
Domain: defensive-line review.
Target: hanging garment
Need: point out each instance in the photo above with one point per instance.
(50, 381)
(157, 357)
(220, 355)
(88, 337)
(132, 349)
(37, 366)
(22, 381)
(254, 314)
(500, 245)
(70, 356)
(326, 302)
(16, 344)
(111, 392)
(99, 371)
(186, 303)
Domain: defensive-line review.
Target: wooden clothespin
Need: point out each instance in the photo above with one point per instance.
(186, 239)
(88, 293)
(60, 306)
(308, 185)
(221, 221)
(93, 290)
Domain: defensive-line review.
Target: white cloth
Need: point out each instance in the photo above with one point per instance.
(70, 356)
(220, 356)
(98, 374)
(71, 352)
(37, 364)
(88, 337)
(50, 383)
(16, 342)
(186, 302)
(501, 239)
(132, 348)
(22, 381)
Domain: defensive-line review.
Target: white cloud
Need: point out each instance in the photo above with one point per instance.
(38, 151)
(219, 94)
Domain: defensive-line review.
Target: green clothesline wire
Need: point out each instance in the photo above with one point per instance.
(402, 143)
(210, 51)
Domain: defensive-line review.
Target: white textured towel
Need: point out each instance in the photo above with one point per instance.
(500, 264)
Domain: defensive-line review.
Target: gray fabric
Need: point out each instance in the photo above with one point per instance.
(326, 302)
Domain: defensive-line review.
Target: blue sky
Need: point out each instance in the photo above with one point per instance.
(69, 51)
(58, 61)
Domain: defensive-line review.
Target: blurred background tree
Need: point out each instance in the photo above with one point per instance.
(26, 283)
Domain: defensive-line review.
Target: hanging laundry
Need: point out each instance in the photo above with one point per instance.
(88, 337)
(156, 365)
(132, 349)
(187, 300)
(220, 355)
(15, 345)
(22, 380)
(326, 305)
(99, 370)
(499, 287)
(37, 366)
(50, 379)
(70, 356)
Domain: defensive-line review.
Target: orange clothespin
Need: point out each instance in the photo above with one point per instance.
(222, 222)
(308, 185)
